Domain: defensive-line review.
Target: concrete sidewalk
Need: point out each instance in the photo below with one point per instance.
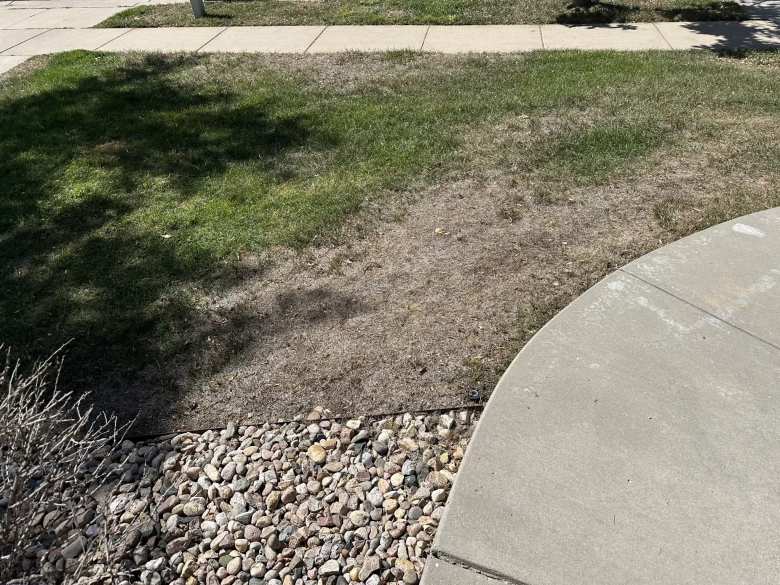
(36, 27)
(37, 14)
(38, 34)
(634, 439)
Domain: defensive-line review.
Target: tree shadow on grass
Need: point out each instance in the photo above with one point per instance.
(709, 12)
(586, 13)
(224, 338)
(598, 13)
(80, 159)
(212, 18)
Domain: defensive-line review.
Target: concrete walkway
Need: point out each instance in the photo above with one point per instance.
(35, 27)
(18, 42)
(635, 438)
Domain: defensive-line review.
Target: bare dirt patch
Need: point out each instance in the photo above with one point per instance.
(416, 312)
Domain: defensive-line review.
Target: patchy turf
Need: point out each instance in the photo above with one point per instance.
(307, 12)
(225, 234)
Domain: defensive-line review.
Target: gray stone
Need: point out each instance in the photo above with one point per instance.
(358, 518)
(361, 437)
(243, 517)
(329, 568)
(211, 472)
(155, 564)
(167, 504)
(375, 497)
(370, 566)
(74, 548)
(194, 507)
(228, 471)
(176, 545)
(288, 496)
(272, 501)
(234, 566)
(209, 528)
(252, 533)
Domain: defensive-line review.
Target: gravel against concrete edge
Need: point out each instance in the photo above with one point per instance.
(307, 502)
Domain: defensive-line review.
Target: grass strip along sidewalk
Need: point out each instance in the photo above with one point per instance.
(276, 12)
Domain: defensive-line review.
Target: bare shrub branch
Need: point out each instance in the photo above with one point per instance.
(56, 452)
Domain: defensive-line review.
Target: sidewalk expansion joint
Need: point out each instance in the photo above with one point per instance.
(319, 34)
(702, 310)
(5, 52)
(119, 36)
(425, 37)
(198, 50)
(658, 30)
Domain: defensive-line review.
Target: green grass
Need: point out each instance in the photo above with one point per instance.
(130, 184)
(294, 12)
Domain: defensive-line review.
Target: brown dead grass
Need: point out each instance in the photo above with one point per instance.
(416, 312)
(427, 294)
(430, 293)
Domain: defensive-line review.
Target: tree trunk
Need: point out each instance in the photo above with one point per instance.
(198, 8)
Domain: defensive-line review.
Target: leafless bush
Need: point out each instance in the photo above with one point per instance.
(55, 458)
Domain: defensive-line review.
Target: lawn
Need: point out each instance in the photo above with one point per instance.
(224, 233)
(295, 12)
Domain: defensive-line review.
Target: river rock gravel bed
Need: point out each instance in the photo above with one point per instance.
(313, 501)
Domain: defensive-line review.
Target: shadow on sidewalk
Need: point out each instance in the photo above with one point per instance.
(749, 35)
(762, 9)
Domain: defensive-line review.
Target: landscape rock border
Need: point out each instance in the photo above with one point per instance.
(312, 501)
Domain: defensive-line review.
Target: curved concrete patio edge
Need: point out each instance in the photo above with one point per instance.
(634, 439)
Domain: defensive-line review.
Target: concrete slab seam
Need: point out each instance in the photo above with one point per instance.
(4, 51)
(199, 49)
(425, 37)
(541, 37)
(698, 308)
(119, 36)
(306, 50)
(484, 572)
(658, 30)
